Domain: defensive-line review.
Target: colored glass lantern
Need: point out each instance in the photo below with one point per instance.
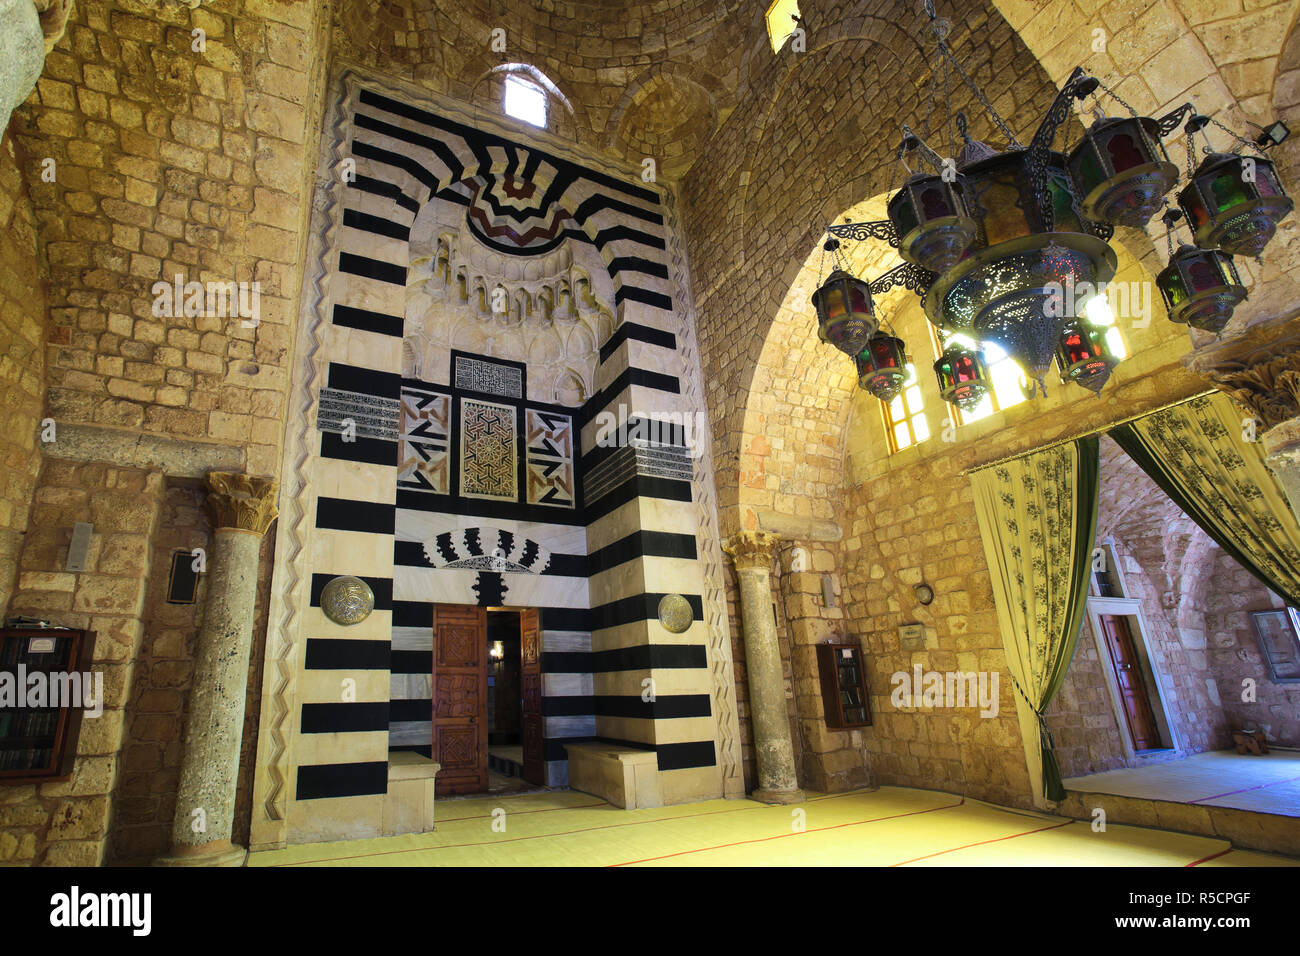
(931, 220)
(846, 316)
(882, 366)
(1122, 171)
(963, 376)
(1002, 291)
(1234, 203)
(1200, 287)
(1083, 355)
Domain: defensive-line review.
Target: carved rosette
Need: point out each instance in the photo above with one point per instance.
(243, 502)
(752, 550)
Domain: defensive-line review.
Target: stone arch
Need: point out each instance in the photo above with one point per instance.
(690, 92)
(573, 118)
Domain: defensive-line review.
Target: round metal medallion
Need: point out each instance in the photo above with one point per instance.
(675, 613)
(347, 600)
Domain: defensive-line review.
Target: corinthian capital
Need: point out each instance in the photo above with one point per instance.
(752, 550)
(244, 502)
(1260, 370)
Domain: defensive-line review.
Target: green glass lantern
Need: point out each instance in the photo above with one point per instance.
(929, 214)
(963, 376)
(882, 366)
(1200, 288)
(1234, 203)
(846, 316)
(1083, 355)
(1122, 171)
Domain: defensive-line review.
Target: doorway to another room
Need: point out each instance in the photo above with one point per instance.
(487, 721)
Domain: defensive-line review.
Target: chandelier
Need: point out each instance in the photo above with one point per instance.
(996, 242)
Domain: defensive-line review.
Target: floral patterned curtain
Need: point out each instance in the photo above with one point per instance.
(1038, 516)
(1202, 453)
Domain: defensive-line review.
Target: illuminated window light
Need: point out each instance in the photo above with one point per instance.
(781, 23)
(525, 101)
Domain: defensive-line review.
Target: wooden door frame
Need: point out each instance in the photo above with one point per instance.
(1131, 608)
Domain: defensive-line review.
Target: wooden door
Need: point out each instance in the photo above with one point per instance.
(1128, 672)
(460, 732)
(530, 680)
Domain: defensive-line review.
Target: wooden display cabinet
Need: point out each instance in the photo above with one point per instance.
(40, 743)
(844, 685)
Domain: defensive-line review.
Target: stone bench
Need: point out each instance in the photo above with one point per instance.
(625, 776)
(408, 805)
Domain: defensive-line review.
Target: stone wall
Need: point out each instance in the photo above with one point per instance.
(1235, 656)
(22, 360)
(145, 794)
(173, 161)
(67, 822)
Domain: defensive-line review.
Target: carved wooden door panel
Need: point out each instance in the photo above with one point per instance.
(530, 679)
(460, 733)
(1128, 673)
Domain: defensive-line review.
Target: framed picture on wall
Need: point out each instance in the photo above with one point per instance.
(1277, 633)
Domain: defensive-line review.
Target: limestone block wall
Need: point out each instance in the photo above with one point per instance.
(1234, 655)
(67, 822)
(22, 359)
(169, 161)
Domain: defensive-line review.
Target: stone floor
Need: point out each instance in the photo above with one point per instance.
(1269, 783)
(892, 826)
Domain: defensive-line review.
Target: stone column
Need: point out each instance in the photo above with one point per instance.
(751, 552)
(1282, 454)
(242, 508)
(31, 28)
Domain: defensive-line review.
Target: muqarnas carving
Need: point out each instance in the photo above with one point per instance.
(424, 458)
(550, 459)
(545, 311)
(488, 456)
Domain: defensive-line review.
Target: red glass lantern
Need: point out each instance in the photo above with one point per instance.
(1084, 357)
(1201, 288)
(1234, 203)
(963, 376)
(929, 214)
(1122, 171)
(882, 366)
(846, 316)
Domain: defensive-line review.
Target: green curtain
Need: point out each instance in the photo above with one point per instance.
(1038, 518)
(1198, 455)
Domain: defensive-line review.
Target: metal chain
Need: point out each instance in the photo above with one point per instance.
(1115, 96)
(948, 56)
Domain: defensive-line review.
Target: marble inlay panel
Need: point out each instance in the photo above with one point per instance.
(550, 459)
(424, 456)
(488, 452)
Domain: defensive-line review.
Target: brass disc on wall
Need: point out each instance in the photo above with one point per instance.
(675, 613)
(347, 600)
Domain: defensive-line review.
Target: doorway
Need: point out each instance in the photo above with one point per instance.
(487, 720)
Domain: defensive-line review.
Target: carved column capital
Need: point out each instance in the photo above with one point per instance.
(752, 550)
(243, 502)
(1262, 376)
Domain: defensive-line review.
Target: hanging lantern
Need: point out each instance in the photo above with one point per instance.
(1234, 203)
(846, 316)
(1083, 355)
(963, 376)
(1005, 290)
(1122, 171)
(882, 366)
(930, 216)
(1201, 288)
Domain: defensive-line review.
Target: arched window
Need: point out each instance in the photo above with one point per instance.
(782, 21)
(525, 100)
